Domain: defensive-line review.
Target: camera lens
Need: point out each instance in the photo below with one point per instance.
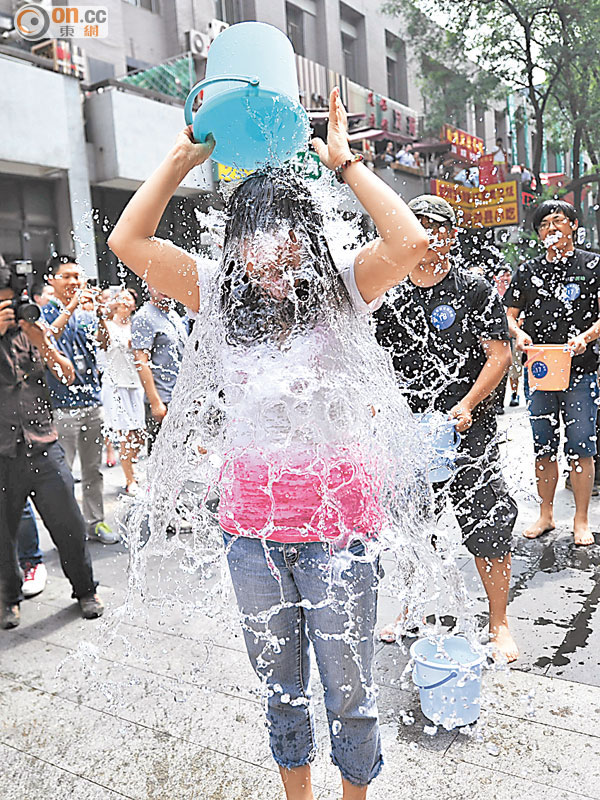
(29, 312)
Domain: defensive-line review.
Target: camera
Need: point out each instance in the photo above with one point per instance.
(20, 282)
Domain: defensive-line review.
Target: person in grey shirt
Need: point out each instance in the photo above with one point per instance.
(158, 338)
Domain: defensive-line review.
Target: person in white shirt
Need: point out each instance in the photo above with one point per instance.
(406, 157)
(122, 392)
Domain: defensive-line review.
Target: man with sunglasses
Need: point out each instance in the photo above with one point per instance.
(446, 331)
(557, 296)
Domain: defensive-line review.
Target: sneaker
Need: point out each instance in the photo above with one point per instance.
(104, 534)
(91, 606)
(514, 400)
(10, 617)
(35, 579)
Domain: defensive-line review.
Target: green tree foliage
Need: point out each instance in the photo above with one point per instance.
(508, 39)
(575, 107)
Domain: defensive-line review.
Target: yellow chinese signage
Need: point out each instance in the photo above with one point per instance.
(231, 173)
(487, 207)
(463, 144)
(306, 164)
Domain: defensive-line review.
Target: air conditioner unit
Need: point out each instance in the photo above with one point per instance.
(214, 28)
(198, 42)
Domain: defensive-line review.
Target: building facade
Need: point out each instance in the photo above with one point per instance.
(78, 142)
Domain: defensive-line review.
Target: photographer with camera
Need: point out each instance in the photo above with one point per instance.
(31, 460)
(76, 321)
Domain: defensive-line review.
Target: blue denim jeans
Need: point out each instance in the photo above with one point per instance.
(293, 595)
(28, 541)
(578, 407)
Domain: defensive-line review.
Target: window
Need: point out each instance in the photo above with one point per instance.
(149, 5)
(349, 51)
(232, 11)
(352, 26)
(396, 68)
(295, 27)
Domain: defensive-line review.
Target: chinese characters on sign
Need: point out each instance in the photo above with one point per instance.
(486, 207)
(463, 144)
(36, 22)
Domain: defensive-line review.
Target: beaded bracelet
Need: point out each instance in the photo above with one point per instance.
(338, 171)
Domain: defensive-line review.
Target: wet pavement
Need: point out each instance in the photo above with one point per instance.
(181, 719)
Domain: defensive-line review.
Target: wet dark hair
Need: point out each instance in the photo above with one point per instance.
(553, 207)
(269, 201)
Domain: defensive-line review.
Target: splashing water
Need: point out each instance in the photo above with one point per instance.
(283, 389)
(286, 401)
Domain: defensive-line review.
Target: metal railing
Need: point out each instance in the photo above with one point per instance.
(173, 78)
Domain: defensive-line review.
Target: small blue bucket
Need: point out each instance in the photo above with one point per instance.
(447, 672)
(250, 98)
(443, 438)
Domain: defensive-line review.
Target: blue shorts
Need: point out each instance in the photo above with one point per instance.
(578, 407)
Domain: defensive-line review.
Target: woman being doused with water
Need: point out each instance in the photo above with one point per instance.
(285, 400)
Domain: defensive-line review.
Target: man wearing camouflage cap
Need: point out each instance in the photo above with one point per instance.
(447, 333)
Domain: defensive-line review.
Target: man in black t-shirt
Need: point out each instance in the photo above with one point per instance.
(557, 297)
(446, 331)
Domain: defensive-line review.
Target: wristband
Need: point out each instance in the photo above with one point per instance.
(339, 171)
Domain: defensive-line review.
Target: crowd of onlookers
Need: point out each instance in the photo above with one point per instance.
(115, 371)
(396, 156)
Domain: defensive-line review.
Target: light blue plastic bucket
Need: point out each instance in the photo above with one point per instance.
(250, 98)
(447, 672)
(442, 437)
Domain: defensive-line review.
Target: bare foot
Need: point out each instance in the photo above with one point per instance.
(539, 527)
(503, 642)
(582, 533)
(388, 633)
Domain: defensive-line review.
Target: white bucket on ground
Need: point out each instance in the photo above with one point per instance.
(447, 672)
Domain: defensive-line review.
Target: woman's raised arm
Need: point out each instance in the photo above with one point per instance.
(163, 265)
(402, 241)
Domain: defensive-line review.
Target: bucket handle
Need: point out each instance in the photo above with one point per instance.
(536, 351)
(457, 436)
(439, 683)
(253, 81)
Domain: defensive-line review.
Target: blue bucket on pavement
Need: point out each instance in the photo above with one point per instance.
(250, 98)
(447, 672)
(442, 437)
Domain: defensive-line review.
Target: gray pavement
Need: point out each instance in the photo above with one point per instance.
(180, 717)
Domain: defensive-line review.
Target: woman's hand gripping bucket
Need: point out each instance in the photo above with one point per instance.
(250, 98)
(442, 438)
(549, 367)
(447, 672)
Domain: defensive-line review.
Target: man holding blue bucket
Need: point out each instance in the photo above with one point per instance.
(557, 296)
(447, 333)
